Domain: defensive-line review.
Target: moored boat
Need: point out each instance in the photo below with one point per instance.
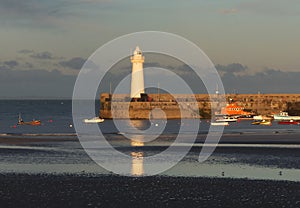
(290, 122)
(32, 123)
(263, 122)
(233, 109)
(261, 117)
(226, 119)
(285, 116)
(94, 120)
(219, 123)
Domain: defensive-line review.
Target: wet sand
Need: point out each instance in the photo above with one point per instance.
(14, 140)
(21, 190)
(89, 190)
(276, 137)
(283, 153)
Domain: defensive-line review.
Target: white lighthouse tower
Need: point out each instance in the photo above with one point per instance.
(137, 76)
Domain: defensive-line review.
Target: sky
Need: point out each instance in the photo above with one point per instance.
(43, 43)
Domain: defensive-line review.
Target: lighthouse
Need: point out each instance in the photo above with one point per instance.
(137, 75)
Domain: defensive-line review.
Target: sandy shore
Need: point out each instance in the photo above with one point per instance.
(50, 190)
(21, 190)
(276, 137)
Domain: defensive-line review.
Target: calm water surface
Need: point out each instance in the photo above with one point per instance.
(68, 156)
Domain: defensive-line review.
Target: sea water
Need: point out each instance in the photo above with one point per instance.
(56, 117)
(271, 156)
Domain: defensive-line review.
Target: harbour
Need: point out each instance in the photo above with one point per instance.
(149, 104)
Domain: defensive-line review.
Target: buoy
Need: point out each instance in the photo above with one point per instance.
(50, 121)
(156, 124)
(71, 125)
(14, 126)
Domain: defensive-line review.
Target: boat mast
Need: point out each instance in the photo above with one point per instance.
(20, 118)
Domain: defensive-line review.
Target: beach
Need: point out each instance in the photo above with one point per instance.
(56, 172)
(149, 104)
(23, 190)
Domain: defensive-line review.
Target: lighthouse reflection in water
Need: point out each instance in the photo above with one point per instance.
(137, 168)
(137, 140)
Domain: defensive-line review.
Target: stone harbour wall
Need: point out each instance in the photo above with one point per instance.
(265, 104)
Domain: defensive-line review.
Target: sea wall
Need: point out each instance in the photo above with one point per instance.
(146, 110)
(256, 103)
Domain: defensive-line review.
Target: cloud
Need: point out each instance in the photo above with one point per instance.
(20, 8)
(267, 81)
(6, 65)
(11, 64)
(14, 4)
(56, 14)
(30, 7)
(28, 65)
(25, 51)
(231, 68)
(228, 11)
(33, 13)
(35, 83)
(37, 8)
(42, 55)
(74, 63)
(3, 68)
(272, 7)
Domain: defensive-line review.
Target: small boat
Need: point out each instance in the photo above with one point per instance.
(219, 123)
(93, 120)
(261, 117)
(32, 123)
(233, 109)
(290, 122)
(226, 119)
(255, 122)
(285, 116)
(263, 122)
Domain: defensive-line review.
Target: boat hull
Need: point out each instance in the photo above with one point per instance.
(31, 123)
(219, 123)
(283, 116)
(286, 118)
(266, 123)
(227, 120)
(93, 120)
(288, 122)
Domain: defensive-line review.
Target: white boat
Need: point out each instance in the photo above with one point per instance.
(226, 119)
(261, 117)
(285, 116)
(93, 120)
(219, 123)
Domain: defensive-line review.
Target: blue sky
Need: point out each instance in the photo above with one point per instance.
(42, 34)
